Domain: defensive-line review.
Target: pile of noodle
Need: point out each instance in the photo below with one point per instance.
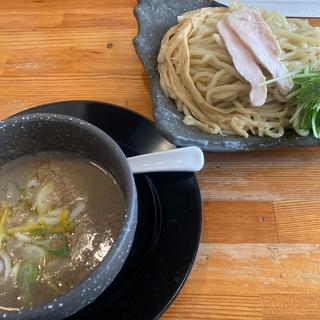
(197, 71)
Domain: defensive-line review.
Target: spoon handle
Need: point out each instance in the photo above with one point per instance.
(182, 159)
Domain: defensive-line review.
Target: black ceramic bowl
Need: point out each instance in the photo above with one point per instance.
(27, 134)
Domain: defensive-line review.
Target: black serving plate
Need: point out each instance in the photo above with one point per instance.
(155, 17)
(169, 220)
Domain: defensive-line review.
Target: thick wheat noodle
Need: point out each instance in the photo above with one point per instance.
(196, 70)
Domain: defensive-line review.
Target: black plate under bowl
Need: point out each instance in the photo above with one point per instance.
(155, 17)
(169, 220)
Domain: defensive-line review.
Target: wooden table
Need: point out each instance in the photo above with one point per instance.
(260, 251)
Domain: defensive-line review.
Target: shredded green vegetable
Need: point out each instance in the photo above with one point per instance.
(306, 97)
(22, 191)
(56, 244)
(60, 251)
(5, 212)
(38, 233)
(29, 227)
(27, 275)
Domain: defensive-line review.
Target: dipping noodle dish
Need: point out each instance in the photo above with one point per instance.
(241, 71)
(59, 216)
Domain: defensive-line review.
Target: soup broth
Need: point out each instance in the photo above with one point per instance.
(59, 216)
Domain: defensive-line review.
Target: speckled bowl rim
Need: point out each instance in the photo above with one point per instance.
(47, 310)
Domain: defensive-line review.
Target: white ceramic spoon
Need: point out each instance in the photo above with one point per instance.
(183, 159)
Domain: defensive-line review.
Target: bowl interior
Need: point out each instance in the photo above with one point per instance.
(30, 134)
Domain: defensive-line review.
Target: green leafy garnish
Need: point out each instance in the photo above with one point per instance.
(306, 97)
(27, 276)
(58, 246)
(5, 212)
(72, 226)
(30, 227)
(22, 191)
(38, 232)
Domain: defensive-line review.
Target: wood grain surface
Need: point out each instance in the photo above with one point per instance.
(260, 251)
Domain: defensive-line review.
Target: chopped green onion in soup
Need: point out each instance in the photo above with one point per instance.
(55, 225)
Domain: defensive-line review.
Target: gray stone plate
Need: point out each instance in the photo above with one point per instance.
(154, 18)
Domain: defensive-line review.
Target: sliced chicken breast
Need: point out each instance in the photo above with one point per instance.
(257, 36)
(245, 63)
